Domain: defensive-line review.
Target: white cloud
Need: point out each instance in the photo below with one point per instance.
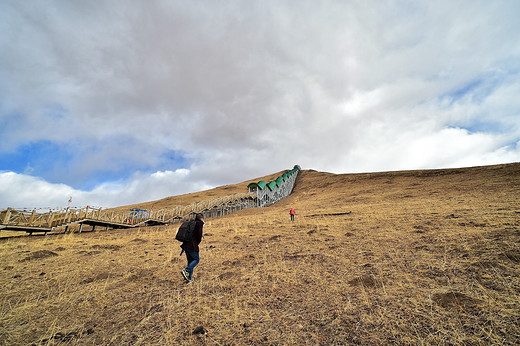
(245, 89)
(25, 191)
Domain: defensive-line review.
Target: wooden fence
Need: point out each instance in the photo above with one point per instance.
(18, 219)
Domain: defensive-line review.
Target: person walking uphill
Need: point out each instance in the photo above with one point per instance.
(192, 249)
(292, 212)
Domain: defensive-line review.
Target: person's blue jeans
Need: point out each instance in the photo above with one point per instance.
(193, 259)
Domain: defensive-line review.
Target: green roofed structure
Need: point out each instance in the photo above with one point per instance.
(276, 190)
(253, 187)
(271, 185)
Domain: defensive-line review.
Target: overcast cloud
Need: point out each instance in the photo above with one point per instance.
(119, 102)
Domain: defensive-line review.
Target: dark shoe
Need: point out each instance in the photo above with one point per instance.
(185, 274)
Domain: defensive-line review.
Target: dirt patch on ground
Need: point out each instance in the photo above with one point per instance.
(227, 275)
(63, 337)
(100, 276)
(89, 253)
(107, 247)
(455, 300)
(312, 256)
(368, 281)
(41, 254)
(513, 256)
(141, 274)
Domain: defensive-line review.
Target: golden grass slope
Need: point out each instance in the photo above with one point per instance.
(419, 257)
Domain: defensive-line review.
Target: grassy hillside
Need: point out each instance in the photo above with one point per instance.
(402, 257)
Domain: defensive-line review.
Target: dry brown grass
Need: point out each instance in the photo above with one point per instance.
(424, 257)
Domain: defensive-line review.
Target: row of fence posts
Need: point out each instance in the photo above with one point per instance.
(55, 219)
(51, 219)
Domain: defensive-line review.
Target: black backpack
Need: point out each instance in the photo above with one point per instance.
(187, 231)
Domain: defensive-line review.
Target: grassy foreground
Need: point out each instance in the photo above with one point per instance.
(419, 257)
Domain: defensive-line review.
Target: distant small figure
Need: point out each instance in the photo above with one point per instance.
(192, 249)
(292, 212)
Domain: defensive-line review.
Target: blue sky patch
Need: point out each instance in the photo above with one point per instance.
(476, 90)
(62, 163)
(34, 158)
(172, 160)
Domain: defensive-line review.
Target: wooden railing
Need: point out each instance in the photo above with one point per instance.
(53, 219)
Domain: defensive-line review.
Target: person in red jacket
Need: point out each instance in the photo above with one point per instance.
(192, 249)
(292, 212)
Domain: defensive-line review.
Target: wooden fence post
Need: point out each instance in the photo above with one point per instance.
(31, 220)
(51, 218)
(7, 217)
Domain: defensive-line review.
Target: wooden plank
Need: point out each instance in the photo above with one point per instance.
(31, 220)
(27, 229)
(7, 216)
(51, 219)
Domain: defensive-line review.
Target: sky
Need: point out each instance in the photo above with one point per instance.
(118, 102)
